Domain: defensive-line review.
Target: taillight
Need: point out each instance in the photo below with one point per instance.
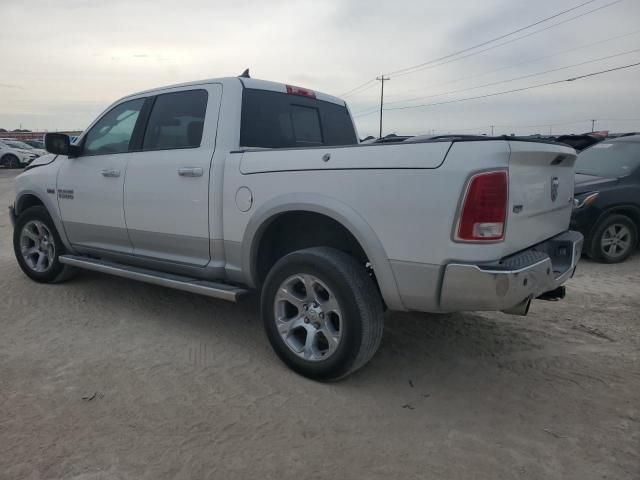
(303, 92)
(484, 209)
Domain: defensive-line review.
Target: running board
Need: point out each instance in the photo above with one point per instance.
(193, 285)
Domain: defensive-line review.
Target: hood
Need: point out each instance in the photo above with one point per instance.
(587, 183)
(43, 160)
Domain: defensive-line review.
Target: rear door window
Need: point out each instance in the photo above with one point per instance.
(279, 120)
(176, 121)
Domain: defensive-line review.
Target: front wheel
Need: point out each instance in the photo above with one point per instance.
(11, 161)
(322, 313)
(37, 246)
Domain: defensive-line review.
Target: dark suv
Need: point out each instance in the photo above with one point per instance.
(607, 198)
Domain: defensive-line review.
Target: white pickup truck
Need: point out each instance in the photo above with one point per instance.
(224, 186)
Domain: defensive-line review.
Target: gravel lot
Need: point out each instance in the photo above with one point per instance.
(104, 378)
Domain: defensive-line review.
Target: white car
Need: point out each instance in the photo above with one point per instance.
(24, 146)
(12, 157)
(228, 185)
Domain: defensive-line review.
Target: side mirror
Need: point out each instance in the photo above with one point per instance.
(60, 144)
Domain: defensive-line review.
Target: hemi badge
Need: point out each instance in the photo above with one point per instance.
(51, 190)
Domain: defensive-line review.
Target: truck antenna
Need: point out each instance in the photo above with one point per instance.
(245, 74)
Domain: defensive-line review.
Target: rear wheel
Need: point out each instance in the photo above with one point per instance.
(37, 246)
(322, 313)
(614, 239)
(10, 161)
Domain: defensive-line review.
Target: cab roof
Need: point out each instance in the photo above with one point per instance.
(252, 83)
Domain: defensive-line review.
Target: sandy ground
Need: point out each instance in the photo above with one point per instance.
(103, 378)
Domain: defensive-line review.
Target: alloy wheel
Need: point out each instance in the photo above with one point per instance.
(37, 246)
(308, 317)
(616, 240)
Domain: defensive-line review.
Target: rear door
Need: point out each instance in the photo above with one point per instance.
(166, 192)
(541, 180)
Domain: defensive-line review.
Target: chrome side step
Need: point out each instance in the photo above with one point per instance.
(193, 285)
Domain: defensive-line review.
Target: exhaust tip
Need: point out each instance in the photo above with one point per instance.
(557, 294)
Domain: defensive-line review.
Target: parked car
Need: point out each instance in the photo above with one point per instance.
(607, 198)
(237, 184)
(35, 143)
(24, 146)
(11, 157)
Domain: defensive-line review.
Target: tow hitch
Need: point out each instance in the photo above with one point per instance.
(553, 295)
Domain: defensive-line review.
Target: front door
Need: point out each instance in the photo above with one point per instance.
(166, 193)
(90, 187)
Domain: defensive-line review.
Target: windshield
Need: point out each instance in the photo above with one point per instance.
(609, 159)
(16, 144)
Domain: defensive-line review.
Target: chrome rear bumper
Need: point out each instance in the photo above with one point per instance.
(512, 281)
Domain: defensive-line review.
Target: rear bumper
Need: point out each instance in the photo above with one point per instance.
(514, 280)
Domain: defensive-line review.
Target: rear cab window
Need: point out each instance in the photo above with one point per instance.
(281, 120)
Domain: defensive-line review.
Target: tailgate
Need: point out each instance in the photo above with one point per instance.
(541, 180)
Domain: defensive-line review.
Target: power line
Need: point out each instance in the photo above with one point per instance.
(403, 70)
(433, 64)
(541, 125)
(620, 119)
(525, 62)
(400, 72)
(571, 79)
(353, 90)
(536, 74)
(511, 66)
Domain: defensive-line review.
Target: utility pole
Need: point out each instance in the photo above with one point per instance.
(381, 79)
(593, 125)
(492, 130)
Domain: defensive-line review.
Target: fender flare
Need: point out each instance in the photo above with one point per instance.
(335, 210)
(52, 207)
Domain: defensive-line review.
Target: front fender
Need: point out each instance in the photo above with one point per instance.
(41, 183)
(339, 212)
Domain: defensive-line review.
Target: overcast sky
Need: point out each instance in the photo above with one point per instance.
(62, 63)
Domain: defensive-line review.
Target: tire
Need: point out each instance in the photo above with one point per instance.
(42, 237)
(342, 304)
(614, 239)
(10, 161)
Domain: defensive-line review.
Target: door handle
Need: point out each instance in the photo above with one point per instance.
(110, 172)
(190, 172)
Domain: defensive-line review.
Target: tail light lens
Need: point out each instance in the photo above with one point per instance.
(484, 209)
